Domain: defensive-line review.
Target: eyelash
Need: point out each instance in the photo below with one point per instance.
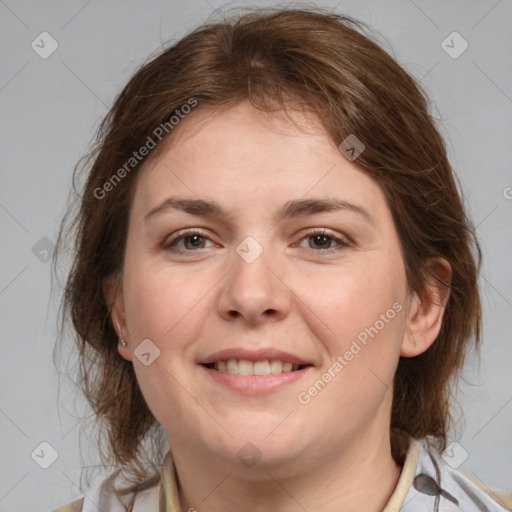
(309, 234)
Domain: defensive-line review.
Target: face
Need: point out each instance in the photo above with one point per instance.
(267, 277)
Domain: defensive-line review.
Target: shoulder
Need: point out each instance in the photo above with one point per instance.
(437, 482)
(103, 497)
(501, 496)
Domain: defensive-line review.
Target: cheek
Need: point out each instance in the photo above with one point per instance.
(355, 298)
(364, 310)
(163, 304)
(365, 314)
(160, 300)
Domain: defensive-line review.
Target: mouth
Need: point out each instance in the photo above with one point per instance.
(255, 368)
(255, 377)
(254, 372)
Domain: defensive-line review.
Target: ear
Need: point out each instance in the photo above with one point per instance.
(113, 293)
(426, 309)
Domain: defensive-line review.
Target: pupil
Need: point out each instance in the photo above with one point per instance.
(196, 238)
(318, 238)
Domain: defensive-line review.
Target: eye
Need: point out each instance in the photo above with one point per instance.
(192, 240)
(321, 240)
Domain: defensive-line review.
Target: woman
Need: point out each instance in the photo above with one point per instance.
(275, 271)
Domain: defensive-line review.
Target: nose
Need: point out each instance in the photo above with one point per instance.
(254, 292)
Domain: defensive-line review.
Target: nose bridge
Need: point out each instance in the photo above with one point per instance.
(254, 289)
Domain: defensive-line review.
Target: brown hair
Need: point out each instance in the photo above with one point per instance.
(277, 59)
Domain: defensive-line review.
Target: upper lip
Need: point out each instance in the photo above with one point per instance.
(252, 355)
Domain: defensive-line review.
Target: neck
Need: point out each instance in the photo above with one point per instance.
(360, 476)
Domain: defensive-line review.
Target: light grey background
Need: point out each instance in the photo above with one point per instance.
(50, 109)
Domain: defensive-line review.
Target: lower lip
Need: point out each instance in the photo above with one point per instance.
(255, 384)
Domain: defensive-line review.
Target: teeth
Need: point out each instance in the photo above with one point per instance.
(232, 366)
(276, 366)
(245, 367)
(260, 368)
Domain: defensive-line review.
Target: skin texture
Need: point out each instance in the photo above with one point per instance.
(332, 453)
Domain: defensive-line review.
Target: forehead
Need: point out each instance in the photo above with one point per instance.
(248, 159)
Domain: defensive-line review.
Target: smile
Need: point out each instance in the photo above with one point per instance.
(248, 382)
(259, 368)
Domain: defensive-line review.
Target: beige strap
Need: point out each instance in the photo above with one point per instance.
(406, 477)
(75, 506)
(169, 495)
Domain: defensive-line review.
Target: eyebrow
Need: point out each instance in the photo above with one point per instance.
(291, 209)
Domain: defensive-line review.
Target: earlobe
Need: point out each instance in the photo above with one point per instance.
(113, 294)
(426, 310)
